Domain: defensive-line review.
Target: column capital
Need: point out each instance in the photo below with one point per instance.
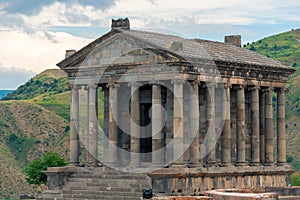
(112, 84)
(74, 87)
(195, 82)
(227, 85)
(134, 84)
(269, 89)
(253, 87)
(210, 84)
(281, 90)
(239, 86)
(92, 86)
(155, 82)
(178, 80)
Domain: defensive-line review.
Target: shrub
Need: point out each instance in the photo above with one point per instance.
(296, 179)
(34, 171)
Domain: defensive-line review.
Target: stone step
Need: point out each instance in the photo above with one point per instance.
(71, 190)
(98, 198)
(110, 176)
(108, 183)
(103, 183)
(83, 194)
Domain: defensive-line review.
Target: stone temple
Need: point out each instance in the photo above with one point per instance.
(180, 116)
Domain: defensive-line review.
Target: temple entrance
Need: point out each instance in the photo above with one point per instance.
(146, 140)
(145, 122)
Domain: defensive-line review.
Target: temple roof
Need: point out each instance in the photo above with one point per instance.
(187, 48)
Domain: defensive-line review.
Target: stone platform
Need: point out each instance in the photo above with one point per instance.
(191, 181)
(106, 183)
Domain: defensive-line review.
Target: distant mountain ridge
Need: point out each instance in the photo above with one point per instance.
(3, 93)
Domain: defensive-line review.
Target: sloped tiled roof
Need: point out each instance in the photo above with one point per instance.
(192, 48)
(204, 49)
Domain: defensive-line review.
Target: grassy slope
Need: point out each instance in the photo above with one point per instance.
(27, 131)
(30, 127)
(12, 178)
(35, 119)
(285, 47)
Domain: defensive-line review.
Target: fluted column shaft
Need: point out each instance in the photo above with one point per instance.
(211, 132)
(269, 128)
(74, 126)
(106, 124)
(255, 145)
(281, 135)
(93, 125)
(240, 126)
(262, 100)
(135, 124)
(194, 124)
(178, 122)
(226, 134)
(113, 118)
(157, 142)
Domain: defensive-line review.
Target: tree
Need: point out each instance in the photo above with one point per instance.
(296, 179)
(34, 170)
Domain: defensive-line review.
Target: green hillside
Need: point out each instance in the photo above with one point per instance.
(35, 119)
(285, 47)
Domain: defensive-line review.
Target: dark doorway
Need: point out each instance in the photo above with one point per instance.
(146, 139)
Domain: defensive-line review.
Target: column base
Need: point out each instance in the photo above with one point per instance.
(194, 165)
(269, 164)
(74, 164)
(254, 164)
(281, 164)
(94, 164)
(226, 165)
(241, 164)
(178, 165)
(212, 164)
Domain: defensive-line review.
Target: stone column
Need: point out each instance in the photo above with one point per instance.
(178, 147)
(262, 100)
(113, 119)
(194, 124)
(106, 124)
(74, 126)
(255, 145)
(240, 126)
(269, 127)
(157, 143)
(226, 134)
(135, 123)
(202, 123)
(211, 132)
(93, 126)
(281, 135)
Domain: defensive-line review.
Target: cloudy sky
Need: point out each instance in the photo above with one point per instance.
(34, 34)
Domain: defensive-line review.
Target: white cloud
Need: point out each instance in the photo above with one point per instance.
(36, 51)
(11, 78)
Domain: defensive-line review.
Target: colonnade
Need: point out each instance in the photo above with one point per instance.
(262, 138)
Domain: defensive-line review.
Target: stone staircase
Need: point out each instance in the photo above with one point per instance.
(100, 183)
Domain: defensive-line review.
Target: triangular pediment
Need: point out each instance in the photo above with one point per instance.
(121, 49)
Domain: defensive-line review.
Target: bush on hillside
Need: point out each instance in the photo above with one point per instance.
(296, 179)
(34, 170)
